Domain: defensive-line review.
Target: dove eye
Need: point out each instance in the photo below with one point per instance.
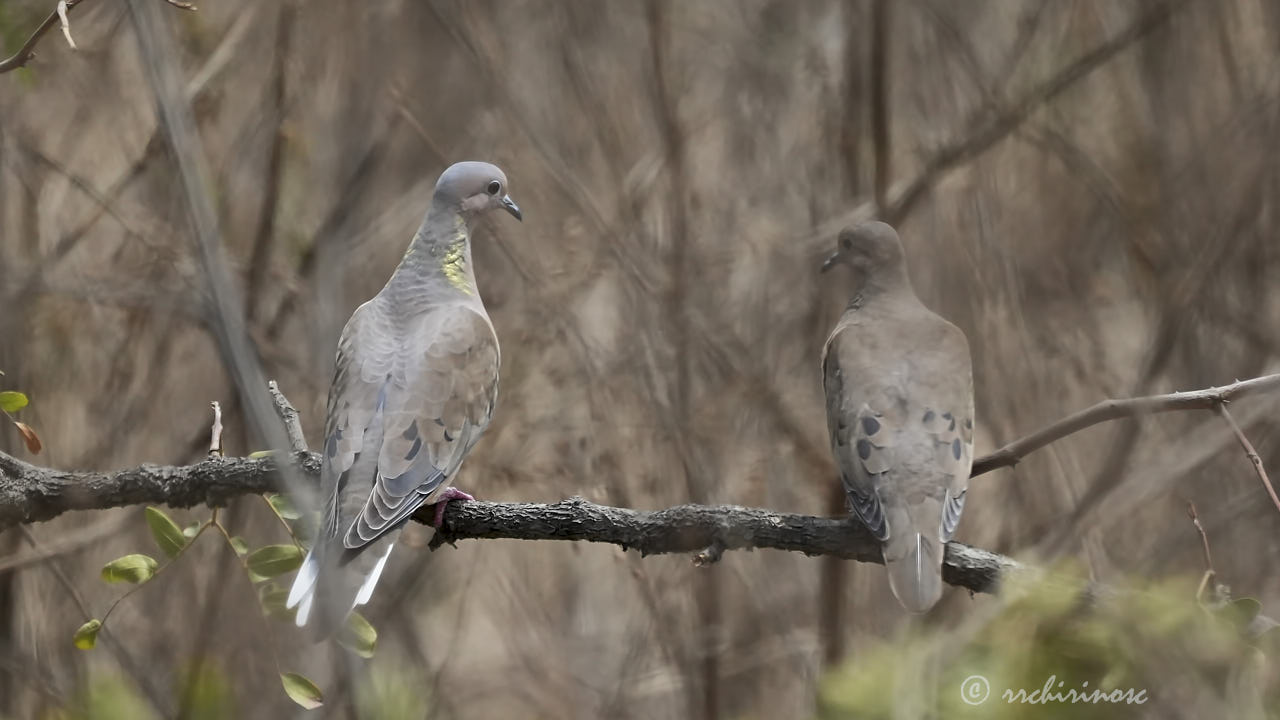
(846, 243)
(495, 187)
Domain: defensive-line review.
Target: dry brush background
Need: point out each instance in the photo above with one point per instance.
(1098, 224)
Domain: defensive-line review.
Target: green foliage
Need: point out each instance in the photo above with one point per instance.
(135, 568)
(1052, 636)
(358, 636)
(273, 560)
(273, 598)
(87, 635)
(388, 690)
(207, 694)
(12, 401)
(301, 690)
(110, 698)
(283, 507)
(168, 536)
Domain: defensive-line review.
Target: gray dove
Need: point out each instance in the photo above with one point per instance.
(899, 390)
(414, 386)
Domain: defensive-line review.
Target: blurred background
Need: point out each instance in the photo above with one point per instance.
(1090, 190)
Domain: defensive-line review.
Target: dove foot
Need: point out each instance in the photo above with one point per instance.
(442, 502)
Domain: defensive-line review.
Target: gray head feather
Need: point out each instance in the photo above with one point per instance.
(473, 187)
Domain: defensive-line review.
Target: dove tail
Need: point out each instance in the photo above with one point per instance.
(325, 592)
(914, 562)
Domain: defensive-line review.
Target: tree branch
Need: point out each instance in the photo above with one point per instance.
(32, 494)
(1207, 399)
(28, 49)
(1249, 452)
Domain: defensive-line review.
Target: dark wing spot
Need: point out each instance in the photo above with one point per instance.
(864, 448)
(955, 448)
(952, 426)
(440, 422)
(968, 423)
(840, 423)
(928, 416)
(413, 451)
(411, 432)
(946, 416)
(870, 425)
(447, 436)
(331, 447)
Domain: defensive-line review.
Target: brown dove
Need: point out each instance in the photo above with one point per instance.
(899, 389)
(415, 385)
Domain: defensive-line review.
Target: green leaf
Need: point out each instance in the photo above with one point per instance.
(283, 506)
(358, 636)
(239, 545)
(87, 636)
(191, 530)
(259, 454)
(273, 560)
(273, 599)
(130, 568)
(302, 691)
(166, 532)
(12, 401)
(1240, 612)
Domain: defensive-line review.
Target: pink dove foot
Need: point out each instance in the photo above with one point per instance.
(442, 502)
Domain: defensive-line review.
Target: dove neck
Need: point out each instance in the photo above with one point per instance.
(890, 282)
(438, 261)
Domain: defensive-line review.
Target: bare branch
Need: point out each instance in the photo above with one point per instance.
(1008, 119)
(32, 494)
(58, 17)
(1204, 538)
(1207, 399)
(65, 22)
(20, 58)
(215, 432)
(1249, 452)
(1000, 123)
(287, 413)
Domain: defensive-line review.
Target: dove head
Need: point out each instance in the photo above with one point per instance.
(872, 250)
(474, 187)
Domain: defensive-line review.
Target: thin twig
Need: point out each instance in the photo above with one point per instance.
(66, 544)
(215, 434)
(1249, 452)
(65, 22)
(1000, 124)
(1207, 399)
(1204, 539)
(27, 51)
(59, 17)
(292, 425)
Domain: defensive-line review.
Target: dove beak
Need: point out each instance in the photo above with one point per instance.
(510, 206)
(831, 262)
